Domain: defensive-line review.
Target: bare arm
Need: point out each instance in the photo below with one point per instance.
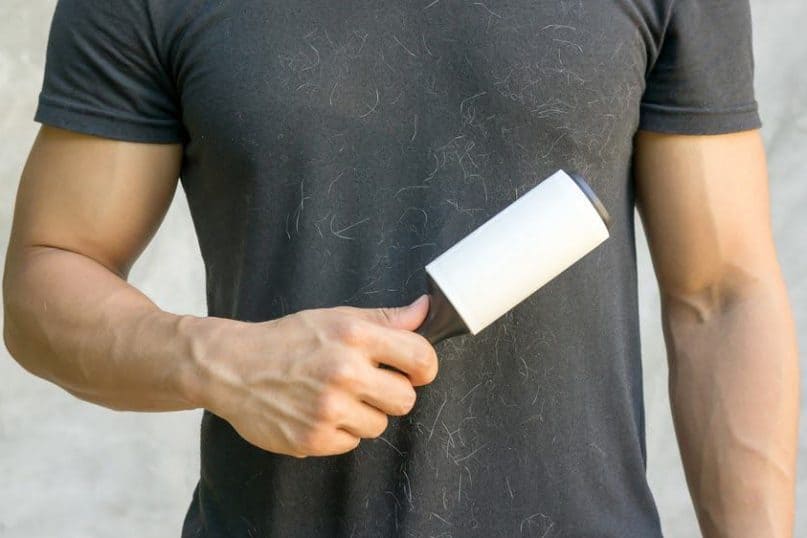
(85, 209)
(304, 384)
(728, 327)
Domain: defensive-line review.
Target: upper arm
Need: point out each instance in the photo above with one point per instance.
(704, 204)
(699, 160)
(101, 198)
(104, 167)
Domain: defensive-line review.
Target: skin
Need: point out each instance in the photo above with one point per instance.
(731, 340)
(309, 383)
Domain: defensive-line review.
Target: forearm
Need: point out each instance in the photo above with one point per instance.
(734, 391)
(72, 321)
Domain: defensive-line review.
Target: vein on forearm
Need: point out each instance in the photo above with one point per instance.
(733, 388)
(73, 321)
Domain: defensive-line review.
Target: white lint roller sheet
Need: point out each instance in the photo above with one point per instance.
(518, 250)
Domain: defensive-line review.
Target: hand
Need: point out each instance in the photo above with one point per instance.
(309, 384)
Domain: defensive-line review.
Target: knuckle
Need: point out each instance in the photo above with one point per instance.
(349, 331)
(409, 402)
(342, 372)
(426, 360)
(403, 404)
(312, 441)
(432, 375)
(306, 442)
(354, 445)
(380, 427)
(328, 408)
(303, 317)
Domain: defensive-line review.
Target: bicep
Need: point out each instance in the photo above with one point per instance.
(703, 201)
(98, 197)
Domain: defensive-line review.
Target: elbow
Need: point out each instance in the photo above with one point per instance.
(696, 305)
(13, 340)
(9, 339)
(16, 341)
(9, 336)
(701, 300)
(10, 330)
(15, 300)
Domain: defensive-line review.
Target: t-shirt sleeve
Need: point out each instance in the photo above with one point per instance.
(702, 81)
(104, 74)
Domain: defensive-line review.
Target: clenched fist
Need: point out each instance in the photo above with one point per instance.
(310, 383)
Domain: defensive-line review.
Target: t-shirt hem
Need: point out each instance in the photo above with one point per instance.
(95, 122)
(665, 119)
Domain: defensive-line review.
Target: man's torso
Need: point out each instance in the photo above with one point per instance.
(335, 148)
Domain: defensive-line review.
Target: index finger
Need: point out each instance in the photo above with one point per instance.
(406, 351)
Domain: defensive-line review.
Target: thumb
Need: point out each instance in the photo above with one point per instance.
(408, 317)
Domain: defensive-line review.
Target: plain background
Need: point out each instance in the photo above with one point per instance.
(71, 469)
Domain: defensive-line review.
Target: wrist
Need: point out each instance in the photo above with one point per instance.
(202, 339)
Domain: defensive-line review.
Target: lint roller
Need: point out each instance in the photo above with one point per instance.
(512, 255)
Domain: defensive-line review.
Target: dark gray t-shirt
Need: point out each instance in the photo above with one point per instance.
(333, 148)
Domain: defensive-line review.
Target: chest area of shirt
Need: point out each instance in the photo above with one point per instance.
(552, 62)
(403, 126)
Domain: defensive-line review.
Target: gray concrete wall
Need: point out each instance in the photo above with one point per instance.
(71, 469)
